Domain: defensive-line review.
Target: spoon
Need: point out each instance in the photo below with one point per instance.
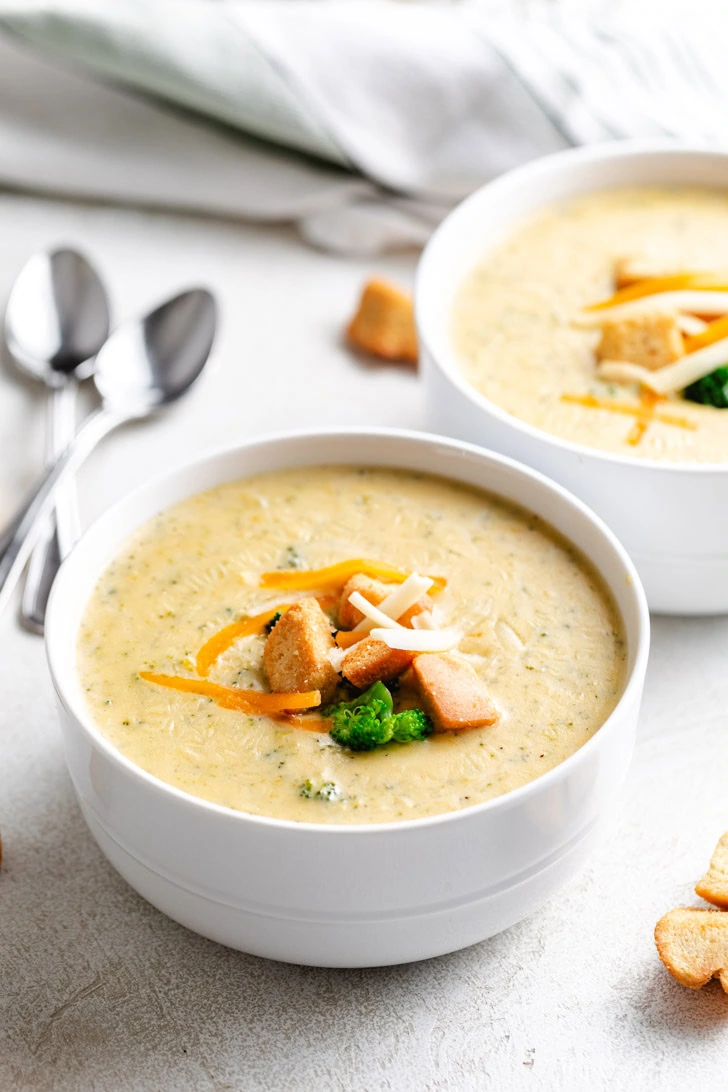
(144, 366)
(57, 319)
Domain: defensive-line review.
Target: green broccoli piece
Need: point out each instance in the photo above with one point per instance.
(364, 722)
(328, 791)
(411, 724)
(711, 390)
(293, 559)
(369, 721)
(270, 626)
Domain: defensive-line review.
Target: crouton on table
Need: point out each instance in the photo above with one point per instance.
(371, 661)
(384, 323)
(452, 692)
(649, 338)
(693, 945)
(296, 652)
(714, 885)
(376, 592)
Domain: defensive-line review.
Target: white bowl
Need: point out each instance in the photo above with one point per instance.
(345, 896)
(672, 517)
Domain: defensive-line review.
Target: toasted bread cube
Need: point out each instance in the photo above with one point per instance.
(384, 323)
(371, 661)
(649, 338)
(693, 945)
(296, 652)
(376, 592)
(714, 885)
(452, 692)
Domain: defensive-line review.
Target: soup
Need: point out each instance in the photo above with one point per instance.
(530, 622)
(518, 334)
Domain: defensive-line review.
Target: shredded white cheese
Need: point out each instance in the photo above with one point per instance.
(336, 657)
(398, 601)
(507, 636)
(621, 371)
(645, 267)
(673, 377)
(419, 640)
(691, 300)
(406, 595)
(691, 324)
(425, 636)
(374, 615)
(425, 620)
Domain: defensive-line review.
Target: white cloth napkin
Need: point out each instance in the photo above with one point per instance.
(362, 121)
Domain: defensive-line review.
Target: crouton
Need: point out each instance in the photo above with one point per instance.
(384, 323)
(371, 661)
(376, 592)
(632, 270)
(373, 590)
(296, 653)
(693, 945)
(714, 885)
(649, 338)
(452, 692)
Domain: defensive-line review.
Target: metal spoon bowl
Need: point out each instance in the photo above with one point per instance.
(144, 366)
(56, 320)
(57, 316)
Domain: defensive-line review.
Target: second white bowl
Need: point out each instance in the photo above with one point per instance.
(672, 518)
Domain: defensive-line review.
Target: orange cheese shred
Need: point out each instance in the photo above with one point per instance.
(648, 400)
(628, 410)
(221, 641)
(335, 576)
(253, 702)
(714, 282)
(715, 331)
(639, 428)
(309, 722)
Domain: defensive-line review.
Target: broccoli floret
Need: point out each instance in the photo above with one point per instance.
(411, 724)
(711, 390)
(293, 559)
(369, 721)
(271, 625)
(328, 791)
(365, 722)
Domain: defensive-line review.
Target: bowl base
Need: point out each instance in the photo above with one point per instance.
(310, 943)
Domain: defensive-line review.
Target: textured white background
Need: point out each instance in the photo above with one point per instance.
(100, 992)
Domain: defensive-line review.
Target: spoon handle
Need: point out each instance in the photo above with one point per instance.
(63, 529)
(27, 523)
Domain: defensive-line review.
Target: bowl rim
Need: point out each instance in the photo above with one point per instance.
(630, 692)
(637, 148)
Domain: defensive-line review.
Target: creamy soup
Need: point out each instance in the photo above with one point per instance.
(539, 627)
(513, 318)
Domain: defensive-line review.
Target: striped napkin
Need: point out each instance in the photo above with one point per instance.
(361, 121)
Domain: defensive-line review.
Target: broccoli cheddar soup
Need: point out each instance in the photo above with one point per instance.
(344, 645)
(604, 320)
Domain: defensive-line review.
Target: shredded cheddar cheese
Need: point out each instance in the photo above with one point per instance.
(253, 702)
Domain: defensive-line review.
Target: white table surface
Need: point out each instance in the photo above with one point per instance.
(98, 991)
